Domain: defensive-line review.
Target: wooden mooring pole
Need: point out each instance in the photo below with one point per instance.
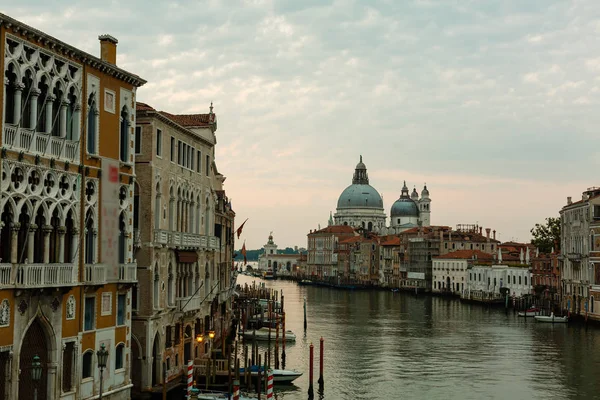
(311, 392)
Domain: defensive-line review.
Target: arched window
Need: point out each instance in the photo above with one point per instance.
(124, 137)
(56, 122)
(70, 118)
(43, 99)
(156, 287)
(54, 234)
(136, 207)
(171, 285)
(171, 210)
(69, 233)
(119, 350)
(38, 253)
(6, 234)
(9, 101)
(22, 236)
(157, 208)
(122, 239)
(26, 100)
(90, 238)
(92, 125)
(86, 365)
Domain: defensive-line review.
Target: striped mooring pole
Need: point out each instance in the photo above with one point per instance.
(236, 390)
(270, 384)
(190, 378)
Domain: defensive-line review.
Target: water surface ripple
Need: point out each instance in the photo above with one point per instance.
(384, 345)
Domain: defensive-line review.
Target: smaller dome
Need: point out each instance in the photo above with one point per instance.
(360, 164)
(414, 195)
(404, 207)
(424, 192)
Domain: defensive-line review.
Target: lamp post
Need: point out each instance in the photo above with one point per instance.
(102, 358)
(36, 374)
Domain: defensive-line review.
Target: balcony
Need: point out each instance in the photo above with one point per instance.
(95, 274)
(186, 240)
(190, 303)
(41, 143)
(574, 256)
(46, 275)
(161, 236)
(5, 275)
(128, 272)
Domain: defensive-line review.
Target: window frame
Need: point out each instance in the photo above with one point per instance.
(137, 147)
(93, 318)
(90, 363)
(158, 142)
(120, 348)
(121, 313)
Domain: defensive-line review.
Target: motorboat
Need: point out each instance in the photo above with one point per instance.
(279, 375)
(530, 312)
(305, 282)
(269, 274)
(552, 319)
(201, 394)
(262, 334)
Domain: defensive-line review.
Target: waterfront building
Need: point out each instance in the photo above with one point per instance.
(272, 259)
(322, 256)
(67, 173)
(392, 267)
(545, 276)
(486, 279)
(577, 269)
(361, 261)
(360, 205)
(450, 271)
(184, 244)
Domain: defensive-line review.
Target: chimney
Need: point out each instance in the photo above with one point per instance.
(569, 201)
(108, 48)
(494, 234)
(481, 230)
(450, 235)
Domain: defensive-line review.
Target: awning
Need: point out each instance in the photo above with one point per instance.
(187, 257)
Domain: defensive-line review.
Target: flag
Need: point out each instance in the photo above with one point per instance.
(244, 251)
(239, 230)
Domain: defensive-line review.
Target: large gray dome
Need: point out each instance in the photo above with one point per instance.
(404, 207)
(360, 196)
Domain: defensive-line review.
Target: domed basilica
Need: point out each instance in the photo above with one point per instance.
(360, 205)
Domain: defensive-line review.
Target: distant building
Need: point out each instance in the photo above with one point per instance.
(322, 261)
(489, 279)
(579, 257)
(450, 271)
(360, 206)
(546, 278)
(271, 259)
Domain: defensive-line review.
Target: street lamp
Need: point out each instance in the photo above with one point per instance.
(36, 374)
(199, 338)
(102, 358)
(211, 334)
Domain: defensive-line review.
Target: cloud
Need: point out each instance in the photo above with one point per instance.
(474, 99)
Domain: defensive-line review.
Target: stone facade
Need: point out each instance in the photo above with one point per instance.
(184, 231)
(67, 265)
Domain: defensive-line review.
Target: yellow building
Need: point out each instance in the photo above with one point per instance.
(63, 291)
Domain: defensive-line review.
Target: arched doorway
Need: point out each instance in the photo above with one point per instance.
(136, 363)
(34, 343)
(156, 361)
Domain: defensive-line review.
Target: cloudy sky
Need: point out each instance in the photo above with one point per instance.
(493, 104)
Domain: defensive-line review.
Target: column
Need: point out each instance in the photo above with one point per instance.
(61, 244)
(49, 113)
(31, 242)
(14, 252)
(63, 119)
(47, 230)
(76, 123)
(33, 100)
(18, 95)
(74, 246)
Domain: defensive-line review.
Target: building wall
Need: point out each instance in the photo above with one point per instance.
(449, 275)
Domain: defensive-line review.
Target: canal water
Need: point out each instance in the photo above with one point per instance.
(384, 345)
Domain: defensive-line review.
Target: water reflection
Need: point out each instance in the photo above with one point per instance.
(384, 345)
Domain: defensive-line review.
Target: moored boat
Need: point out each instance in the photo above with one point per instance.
(279, 375)
(531, 312)
(551, 319)
(269, 274)
(262, 334)
(305, 282)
